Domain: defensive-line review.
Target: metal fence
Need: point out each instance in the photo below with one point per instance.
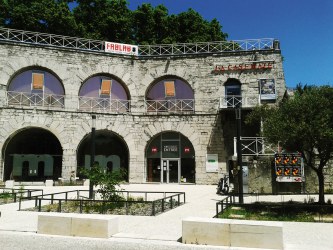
(156, 202)
(174, 105)
(103, 104)
(53, 40)
(307, 200)
(255, 146)
(15, 194)
(35, 99)
(235, 101)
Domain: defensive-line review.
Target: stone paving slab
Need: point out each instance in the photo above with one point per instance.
(150, 232)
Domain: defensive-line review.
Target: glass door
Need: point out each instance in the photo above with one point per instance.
(170, 171)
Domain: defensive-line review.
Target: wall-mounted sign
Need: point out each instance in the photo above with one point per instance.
(120, 48)
(212, 163)
(267, 89)
(244, 66)
(170, 149)
(154, 150)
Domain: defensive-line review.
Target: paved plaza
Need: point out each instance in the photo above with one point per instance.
(18, 228)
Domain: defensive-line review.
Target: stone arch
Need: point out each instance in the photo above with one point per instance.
(29, 145)
(109, 147)
(170, 147)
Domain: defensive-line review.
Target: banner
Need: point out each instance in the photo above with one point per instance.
(120, 48)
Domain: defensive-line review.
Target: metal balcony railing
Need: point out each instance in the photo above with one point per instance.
(28, 37)
(206, 47)
(175, 106)
(255, 146)
(35, 99)
(103, 104)
(234, 101)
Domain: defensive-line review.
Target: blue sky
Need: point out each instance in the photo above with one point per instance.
(304, 28)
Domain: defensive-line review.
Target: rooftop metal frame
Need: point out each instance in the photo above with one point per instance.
(58, 41)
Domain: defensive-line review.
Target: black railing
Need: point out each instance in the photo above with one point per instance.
(157, 205)
(224, 204)
(15, 193)
(280, 199)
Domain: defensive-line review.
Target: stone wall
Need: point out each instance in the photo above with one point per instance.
(204, 128)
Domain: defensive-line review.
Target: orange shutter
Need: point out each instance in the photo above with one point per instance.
(37, 80)
(106, 87)
(169, 89)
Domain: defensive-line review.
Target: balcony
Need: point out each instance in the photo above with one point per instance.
(173, 106)
(35, 100)
(255, 146)
(108, 105)
(94, 104)
(235, 100)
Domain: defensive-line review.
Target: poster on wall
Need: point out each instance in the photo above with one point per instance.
(212, 163)
(267, 89)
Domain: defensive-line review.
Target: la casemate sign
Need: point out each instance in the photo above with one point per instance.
(259, 65)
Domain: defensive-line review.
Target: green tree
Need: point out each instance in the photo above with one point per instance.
(191, 27)
(144, 24)
(303, 123)
(38, 15)
(109, 20)
(107, 182)
(104, 19)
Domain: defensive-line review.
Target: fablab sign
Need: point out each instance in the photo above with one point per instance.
(260, 65)
(120, 48)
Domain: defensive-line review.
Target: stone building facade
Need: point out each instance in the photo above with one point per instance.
(163, 118)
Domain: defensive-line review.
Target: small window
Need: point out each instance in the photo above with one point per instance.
(105, 87)
(170, 89)
(37, 81)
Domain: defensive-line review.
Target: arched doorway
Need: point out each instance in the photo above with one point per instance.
(32, 154)
(170, 159)
(111, 152)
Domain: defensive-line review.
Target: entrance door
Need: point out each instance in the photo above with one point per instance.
(170, 171)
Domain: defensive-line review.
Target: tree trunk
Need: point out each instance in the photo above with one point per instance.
(321, 186)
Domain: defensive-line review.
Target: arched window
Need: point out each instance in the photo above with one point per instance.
(103, 93)
(233, 95)
(36, 87)
(170, 95)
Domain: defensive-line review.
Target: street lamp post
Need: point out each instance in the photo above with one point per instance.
(92, 153)
(239, 152)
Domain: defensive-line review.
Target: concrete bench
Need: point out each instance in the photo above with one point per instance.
(82, 225)
(232, 233)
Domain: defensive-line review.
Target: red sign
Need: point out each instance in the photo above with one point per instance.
(120, 48)
(186, 149)
(243, 66)
(154, 149)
